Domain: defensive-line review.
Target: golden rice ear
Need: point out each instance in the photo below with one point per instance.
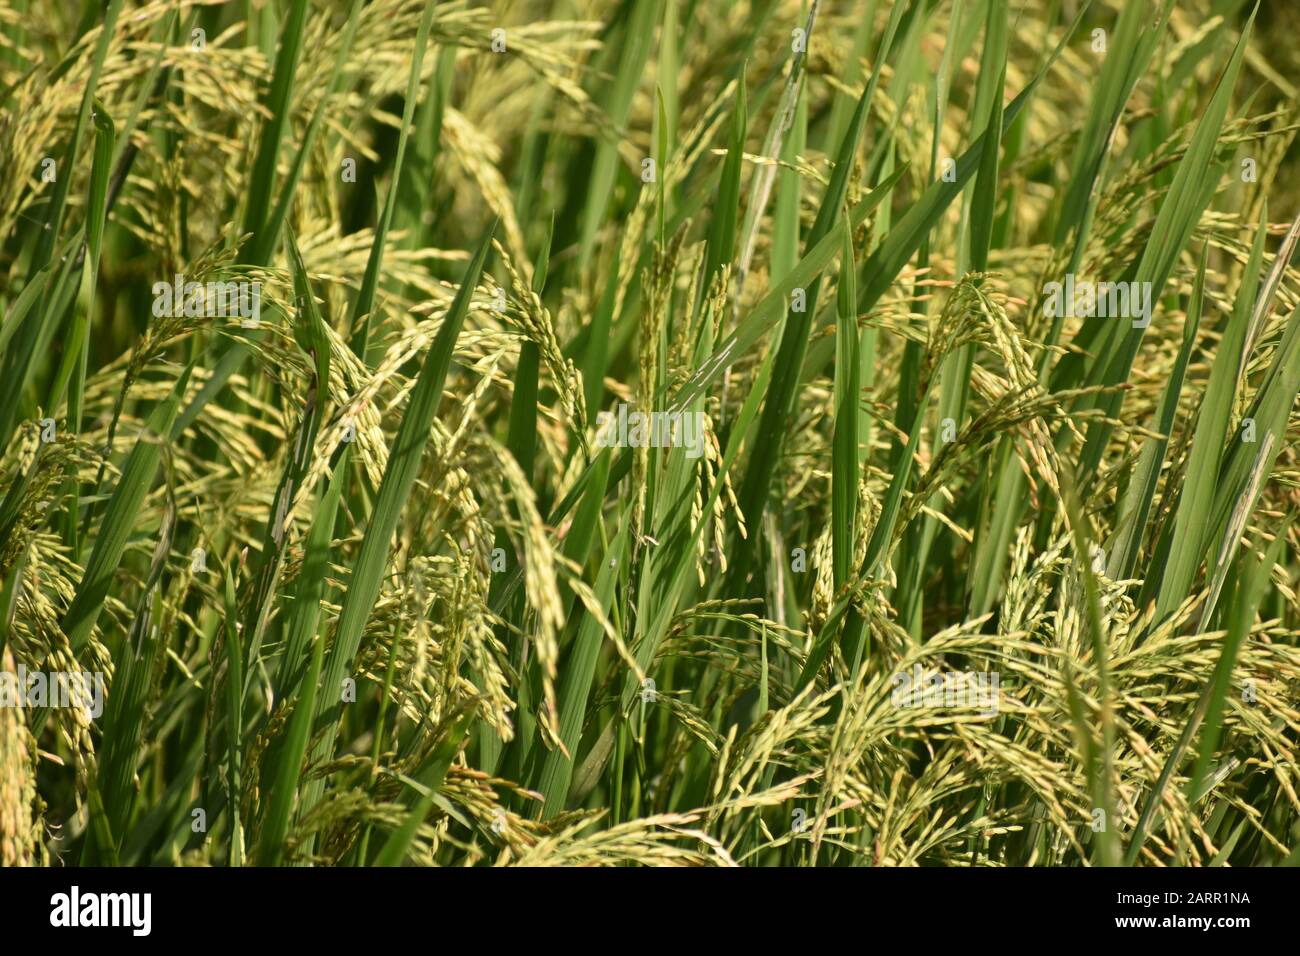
(18, 828)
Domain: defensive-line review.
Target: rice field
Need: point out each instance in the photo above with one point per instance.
(649, 432)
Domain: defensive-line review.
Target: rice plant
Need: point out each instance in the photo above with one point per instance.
(660, 432)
